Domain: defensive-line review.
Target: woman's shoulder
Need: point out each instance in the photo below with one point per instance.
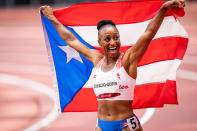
(96, 56)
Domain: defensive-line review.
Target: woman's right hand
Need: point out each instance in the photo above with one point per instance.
(47, 11)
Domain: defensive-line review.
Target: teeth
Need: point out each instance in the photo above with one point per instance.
(112, 48)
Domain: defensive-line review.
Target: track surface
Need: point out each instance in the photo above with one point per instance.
(23, 54)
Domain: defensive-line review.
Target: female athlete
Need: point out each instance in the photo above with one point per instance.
(114, 74)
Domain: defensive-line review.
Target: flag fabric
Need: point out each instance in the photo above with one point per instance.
(156, 79)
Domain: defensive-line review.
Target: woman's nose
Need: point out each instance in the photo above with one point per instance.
(112, 42)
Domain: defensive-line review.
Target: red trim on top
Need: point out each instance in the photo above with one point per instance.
(107, 95)
(99, 63)
(119, 64)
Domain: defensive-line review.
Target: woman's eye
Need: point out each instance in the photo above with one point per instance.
(116, 37)
(107, 39)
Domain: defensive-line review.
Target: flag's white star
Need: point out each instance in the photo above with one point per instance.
(71, 53)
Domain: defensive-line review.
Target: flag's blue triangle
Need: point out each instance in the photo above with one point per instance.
(71, 76)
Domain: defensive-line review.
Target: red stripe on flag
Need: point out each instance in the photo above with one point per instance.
(88, 14)
(85, 100)
(169, 93)
(146, 95)
(168, 48)
(155, 94)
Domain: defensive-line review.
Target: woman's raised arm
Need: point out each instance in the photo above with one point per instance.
(134, 54)
(90, 54)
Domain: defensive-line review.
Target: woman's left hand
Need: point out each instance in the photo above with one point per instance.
(174, 4)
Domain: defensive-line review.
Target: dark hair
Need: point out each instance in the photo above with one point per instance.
(105, 22)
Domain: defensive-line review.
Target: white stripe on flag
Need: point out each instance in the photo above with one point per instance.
(157, 72)
(129, 33)
(151, 73)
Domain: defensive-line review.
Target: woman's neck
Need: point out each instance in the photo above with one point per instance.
(110, 60)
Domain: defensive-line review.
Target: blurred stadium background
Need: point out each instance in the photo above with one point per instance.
(14, 3)
(25, 73)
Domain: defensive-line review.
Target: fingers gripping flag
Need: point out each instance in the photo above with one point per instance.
(156, 81)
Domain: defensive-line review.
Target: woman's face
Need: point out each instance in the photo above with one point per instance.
(109, 40)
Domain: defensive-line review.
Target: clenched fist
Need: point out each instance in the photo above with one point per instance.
(47, 11)
(174, 4)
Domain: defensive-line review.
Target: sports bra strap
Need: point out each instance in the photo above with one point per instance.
(118, 65)
(99, 63)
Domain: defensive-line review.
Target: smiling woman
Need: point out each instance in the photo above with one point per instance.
(114, 99)
(115, 110)
(109, 38)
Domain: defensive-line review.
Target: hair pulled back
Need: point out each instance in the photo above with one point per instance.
(105, 22)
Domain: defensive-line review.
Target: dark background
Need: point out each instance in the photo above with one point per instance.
(14, 3)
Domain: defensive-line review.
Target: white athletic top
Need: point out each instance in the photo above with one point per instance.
(115, 84)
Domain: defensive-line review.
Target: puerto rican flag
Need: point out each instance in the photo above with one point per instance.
(156, 80)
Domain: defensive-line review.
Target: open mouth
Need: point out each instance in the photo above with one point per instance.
(112, 48)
